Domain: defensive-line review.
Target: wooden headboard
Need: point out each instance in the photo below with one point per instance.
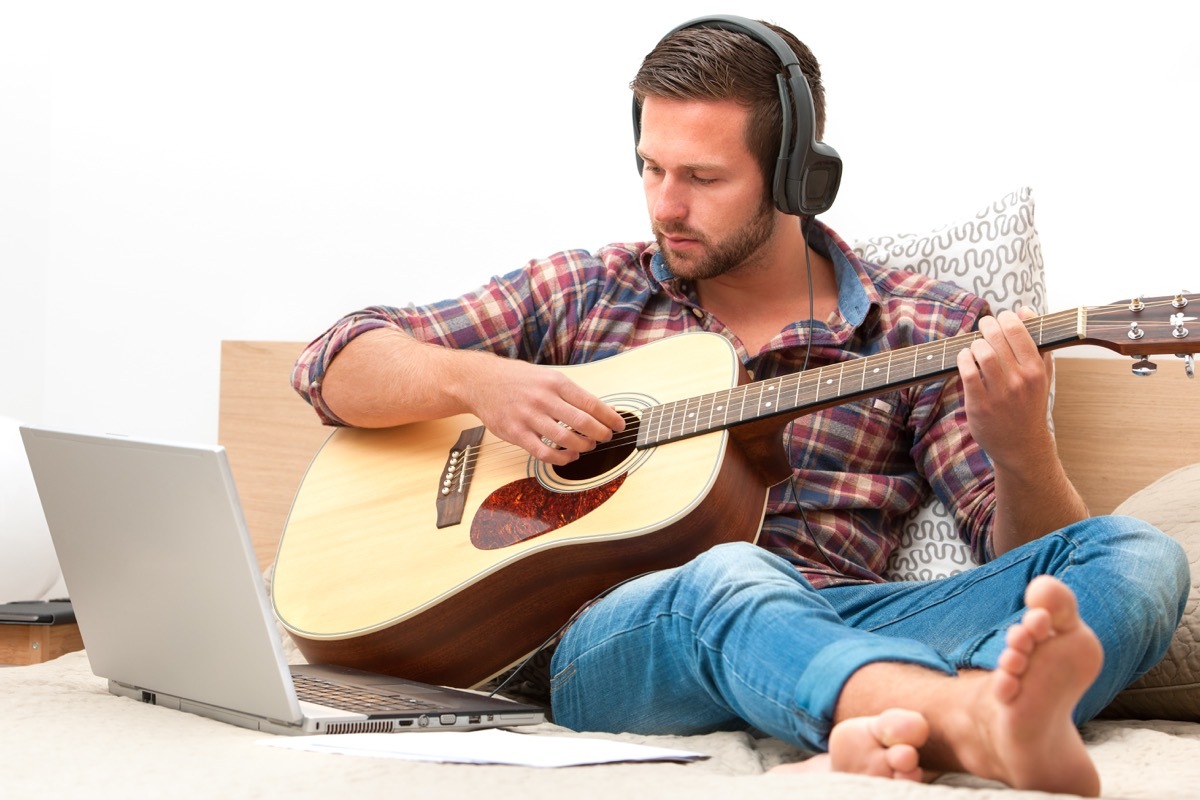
(1116, 432)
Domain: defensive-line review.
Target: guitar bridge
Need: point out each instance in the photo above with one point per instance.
(455, 480)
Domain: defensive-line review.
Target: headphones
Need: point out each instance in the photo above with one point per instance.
(808, 172)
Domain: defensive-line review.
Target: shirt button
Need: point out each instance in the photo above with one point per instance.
(697, 313)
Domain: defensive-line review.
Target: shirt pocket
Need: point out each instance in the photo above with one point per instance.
(864, 435)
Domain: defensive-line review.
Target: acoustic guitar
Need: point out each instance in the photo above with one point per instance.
(438, 552)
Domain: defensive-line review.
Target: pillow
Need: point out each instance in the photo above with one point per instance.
(1170, 690)
(994, 253)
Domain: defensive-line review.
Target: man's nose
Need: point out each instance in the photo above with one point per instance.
(670, 201)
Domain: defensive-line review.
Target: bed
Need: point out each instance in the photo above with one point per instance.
(1129, 443)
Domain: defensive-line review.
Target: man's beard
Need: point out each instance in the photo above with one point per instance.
(720, 257)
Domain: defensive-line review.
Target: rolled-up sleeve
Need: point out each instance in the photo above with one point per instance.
(530, 313)
(308, 373)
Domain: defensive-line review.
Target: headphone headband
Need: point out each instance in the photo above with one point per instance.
(807, 172)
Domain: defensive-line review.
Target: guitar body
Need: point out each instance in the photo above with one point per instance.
(365, 577)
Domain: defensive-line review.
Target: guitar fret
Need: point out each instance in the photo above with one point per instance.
(648, 427)
(687, 418)
(723, 407)
(678, 417)
(771, 393)
(704, 413)
(875, 375)
(823, 382)
(739, 411)
(666, 421)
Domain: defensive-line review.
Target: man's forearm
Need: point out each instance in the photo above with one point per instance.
(1033, 502)
(385, 377)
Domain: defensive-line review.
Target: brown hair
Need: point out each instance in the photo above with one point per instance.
(720, 64)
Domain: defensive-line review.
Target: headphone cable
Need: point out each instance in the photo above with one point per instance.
(795, 492)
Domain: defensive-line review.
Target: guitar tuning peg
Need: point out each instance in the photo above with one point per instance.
(1177, 320)
(1137, 304)
(1189, 364)
(1144, 368)
(1180, 300)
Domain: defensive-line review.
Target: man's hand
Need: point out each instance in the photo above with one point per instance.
(1007, 387)
(385, 377)
(1006, 383)
(540, 410)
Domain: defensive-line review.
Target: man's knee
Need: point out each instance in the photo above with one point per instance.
(1155, 573)
(733, 575)
(738, 562)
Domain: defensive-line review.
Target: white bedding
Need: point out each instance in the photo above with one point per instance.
(66, 736)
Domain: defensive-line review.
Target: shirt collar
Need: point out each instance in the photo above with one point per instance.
(856, 291)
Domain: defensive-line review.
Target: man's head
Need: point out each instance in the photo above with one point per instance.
(731, 58)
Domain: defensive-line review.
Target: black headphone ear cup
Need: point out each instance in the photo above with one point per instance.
(808, 172)
(813, 171)
(637, 134)
(820, 180)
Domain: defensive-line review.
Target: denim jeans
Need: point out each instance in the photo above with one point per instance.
(738, 639)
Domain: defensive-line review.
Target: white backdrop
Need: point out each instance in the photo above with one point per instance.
(175, 174)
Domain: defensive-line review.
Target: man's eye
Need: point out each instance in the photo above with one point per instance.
(704, 181)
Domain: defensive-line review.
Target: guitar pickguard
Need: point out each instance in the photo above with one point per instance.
(523, 509)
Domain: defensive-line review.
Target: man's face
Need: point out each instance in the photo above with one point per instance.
(704, 189)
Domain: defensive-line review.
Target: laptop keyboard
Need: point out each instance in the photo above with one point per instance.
(355, 698)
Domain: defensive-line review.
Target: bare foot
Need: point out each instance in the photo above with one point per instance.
(1013, 724)
(1023, 716)
(884, 745)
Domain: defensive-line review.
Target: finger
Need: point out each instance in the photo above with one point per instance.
(996, 332)
(1026, 313)
(1016, 333)
(588, 416)
(561, 436)
(968, 370)
(544, 448)
(987, 352)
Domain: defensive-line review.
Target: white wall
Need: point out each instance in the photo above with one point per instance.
(175, 174)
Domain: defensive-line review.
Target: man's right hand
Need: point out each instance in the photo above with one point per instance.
(385, 377)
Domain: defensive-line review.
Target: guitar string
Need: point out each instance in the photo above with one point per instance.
(1060, 324)
(519, 455)
(795, 384)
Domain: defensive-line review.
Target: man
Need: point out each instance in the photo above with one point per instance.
(987, 672)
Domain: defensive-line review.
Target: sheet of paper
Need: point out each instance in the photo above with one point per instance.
(491, 746)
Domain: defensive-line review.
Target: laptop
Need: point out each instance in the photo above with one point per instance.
(173, 610)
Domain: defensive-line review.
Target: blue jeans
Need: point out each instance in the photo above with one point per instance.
(738, 639)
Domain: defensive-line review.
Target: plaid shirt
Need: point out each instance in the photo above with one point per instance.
(858, 469)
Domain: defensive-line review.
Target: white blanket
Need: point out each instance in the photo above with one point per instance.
(66, 736)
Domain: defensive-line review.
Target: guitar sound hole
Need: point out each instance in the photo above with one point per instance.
(605, 457)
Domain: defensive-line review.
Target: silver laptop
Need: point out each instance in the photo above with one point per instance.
(173, 610)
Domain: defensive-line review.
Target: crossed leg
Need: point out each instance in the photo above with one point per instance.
(1012, 724)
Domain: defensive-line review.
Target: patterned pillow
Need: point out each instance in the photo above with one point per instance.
(996, 254)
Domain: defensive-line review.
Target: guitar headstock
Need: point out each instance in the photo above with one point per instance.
(1144, 326)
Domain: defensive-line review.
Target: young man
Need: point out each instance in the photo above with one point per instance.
(987, 672)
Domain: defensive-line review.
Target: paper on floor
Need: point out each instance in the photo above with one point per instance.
(492, 746)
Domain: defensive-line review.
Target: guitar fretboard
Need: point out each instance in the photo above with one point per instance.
(832, 384)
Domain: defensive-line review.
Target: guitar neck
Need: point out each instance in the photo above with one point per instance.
(834, 384)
